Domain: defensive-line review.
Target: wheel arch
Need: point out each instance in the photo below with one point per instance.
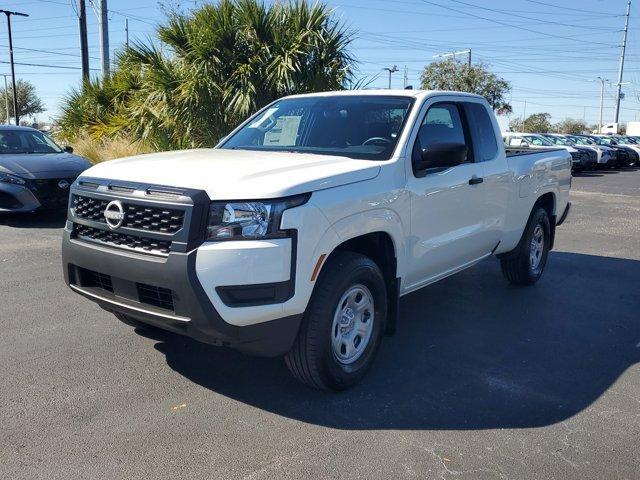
(380, 247)
(548, 202)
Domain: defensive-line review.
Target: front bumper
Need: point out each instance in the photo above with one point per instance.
(17, 198)
(165, 292)
(35, 194)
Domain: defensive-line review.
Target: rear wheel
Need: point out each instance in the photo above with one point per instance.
(342, 328)
(525, 264)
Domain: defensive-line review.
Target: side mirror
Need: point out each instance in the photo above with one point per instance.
(68, 149)
(443, 155)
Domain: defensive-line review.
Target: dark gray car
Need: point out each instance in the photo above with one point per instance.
(35, 172)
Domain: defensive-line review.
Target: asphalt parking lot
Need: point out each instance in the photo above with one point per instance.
(482, 380)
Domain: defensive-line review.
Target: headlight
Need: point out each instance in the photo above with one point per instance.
(8, 178)
(249, 219)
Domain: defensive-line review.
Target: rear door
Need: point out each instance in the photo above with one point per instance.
(448, 215)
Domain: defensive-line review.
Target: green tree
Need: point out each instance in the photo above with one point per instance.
(450, 74)
(571, 126)
(536, 123)
(29, 104)
(220, 63)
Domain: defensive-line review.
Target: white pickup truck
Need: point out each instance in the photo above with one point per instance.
(297, 235)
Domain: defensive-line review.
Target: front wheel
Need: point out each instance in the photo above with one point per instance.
(342, 328)
(525, 264)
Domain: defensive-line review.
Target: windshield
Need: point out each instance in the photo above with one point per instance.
(538, 140)
(559, 140)
(606, 141)
(26, 141)
(631, 140)
(364, 126)
(582, 140)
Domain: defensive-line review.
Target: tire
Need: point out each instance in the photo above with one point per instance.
(132, 322)
(319, 356)
(518, 266)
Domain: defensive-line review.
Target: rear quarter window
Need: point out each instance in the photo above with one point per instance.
(481, 126)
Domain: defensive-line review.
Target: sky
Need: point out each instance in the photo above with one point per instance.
(550, 51)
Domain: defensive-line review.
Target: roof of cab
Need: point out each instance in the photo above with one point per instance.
(386, 92)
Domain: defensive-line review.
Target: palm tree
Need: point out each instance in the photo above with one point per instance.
(210, 69)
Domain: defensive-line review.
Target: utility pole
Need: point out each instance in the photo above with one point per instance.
(391, 70)
(84, 44)
(6, 99)
(524, 113)
(13, 70)
(126, 31)
(104, 38)
(406, 77)
(624, 47)
(602, 82)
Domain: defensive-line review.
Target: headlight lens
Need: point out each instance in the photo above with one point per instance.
(8, 178)
(249, 219)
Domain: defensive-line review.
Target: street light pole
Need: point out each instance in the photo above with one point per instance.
(602, 82)
(13, 70)
(454, 54)
(391, 70)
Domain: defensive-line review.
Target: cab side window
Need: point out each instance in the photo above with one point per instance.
(483, 133)
(442, 124)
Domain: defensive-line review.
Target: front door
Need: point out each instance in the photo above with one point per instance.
(448, 228)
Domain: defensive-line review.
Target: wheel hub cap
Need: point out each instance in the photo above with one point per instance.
(536, 248)
(352, 324)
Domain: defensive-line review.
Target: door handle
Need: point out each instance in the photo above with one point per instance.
(475, 180)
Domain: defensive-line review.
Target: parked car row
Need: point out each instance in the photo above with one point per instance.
(588, 152)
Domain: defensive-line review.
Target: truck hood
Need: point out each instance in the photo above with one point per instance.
(238, 174)
(43, 165)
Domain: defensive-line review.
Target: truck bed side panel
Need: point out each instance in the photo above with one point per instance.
(534, 175)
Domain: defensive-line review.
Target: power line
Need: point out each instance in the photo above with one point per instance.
(512, 14)
(505, 24)
(43, 65)
(573, 9)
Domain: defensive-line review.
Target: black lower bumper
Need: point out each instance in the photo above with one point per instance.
(165, 292)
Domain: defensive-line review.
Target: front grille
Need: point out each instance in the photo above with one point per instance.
(110, 238)
(49, 193)
(141, 217)
(89, 278)
(89, 208)
(156, 296)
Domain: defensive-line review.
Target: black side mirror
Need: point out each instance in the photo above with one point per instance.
(443, 155)
(68, 149)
